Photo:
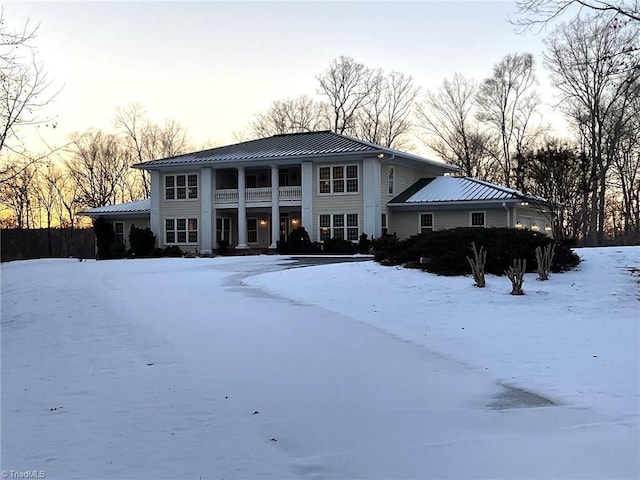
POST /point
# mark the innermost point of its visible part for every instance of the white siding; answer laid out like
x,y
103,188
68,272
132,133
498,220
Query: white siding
x,y
336,203
405,224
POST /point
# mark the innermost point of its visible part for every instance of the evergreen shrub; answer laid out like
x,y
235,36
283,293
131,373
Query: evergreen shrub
x,y
105,236
299,242
448,250
142,242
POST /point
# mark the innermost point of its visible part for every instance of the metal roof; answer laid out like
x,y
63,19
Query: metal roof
x,y
139,206
288,146
458,189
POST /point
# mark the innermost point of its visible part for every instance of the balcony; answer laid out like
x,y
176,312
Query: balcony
x,y
229,196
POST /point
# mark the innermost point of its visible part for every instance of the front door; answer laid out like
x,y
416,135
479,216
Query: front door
x,y
284,228
223,230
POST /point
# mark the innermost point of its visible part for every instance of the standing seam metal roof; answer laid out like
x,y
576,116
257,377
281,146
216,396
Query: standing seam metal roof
x,y
456,189
322,143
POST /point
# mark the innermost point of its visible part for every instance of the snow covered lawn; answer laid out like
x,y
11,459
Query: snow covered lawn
x,y
235,368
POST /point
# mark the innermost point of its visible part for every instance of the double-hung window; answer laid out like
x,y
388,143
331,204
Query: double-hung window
x,y
477,219
181,187
118,230
338,179
181,230
426,222
343,226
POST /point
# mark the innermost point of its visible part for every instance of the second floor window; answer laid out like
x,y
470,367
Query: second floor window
x,y
338,179
181,187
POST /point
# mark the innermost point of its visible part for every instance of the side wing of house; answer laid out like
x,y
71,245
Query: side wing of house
x,y
451,202
123,216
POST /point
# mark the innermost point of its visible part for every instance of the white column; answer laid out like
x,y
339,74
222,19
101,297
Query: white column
x,y
205,216
242,211
307,200
157,190
214,223
372,203
275,206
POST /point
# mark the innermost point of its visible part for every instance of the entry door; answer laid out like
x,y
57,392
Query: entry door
x,y
223,229
284,228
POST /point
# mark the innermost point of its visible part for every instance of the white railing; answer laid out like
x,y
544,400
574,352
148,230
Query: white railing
x,y
258,195
290,193
227,195
262,194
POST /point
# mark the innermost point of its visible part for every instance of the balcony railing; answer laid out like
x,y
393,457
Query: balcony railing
x,y
258,195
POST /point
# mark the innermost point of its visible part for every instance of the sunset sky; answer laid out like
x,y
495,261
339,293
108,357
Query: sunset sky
x,y
212,65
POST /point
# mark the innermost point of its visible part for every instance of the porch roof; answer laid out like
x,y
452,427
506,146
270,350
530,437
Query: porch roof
x,y
139,207
294,146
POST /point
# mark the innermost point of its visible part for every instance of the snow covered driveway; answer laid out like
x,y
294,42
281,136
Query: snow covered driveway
x,y
187,368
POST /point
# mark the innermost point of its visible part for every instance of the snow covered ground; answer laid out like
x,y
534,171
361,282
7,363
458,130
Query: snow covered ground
x,y
235,368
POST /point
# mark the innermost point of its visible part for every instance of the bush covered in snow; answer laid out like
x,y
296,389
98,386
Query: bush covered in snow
x,y
448,250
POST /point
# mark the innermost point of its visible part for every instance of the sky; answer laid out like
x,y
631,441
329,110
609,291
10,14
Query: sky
x,y
212,65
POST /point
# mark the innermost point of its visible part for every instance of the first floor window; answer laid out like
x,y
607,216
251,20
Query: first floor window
x,y
477,219
181,230
426,222
118,229
343,226
384,221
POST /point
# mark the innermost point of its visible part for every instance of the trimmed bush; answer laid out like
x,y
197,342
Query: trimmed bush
x,y
340,245
299,242
142,241
364,244
105,237
448,250
172,251
117,250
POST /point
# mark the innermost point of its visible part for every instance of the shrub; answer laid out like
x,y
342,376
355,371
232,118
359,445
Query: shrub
x,y
299,242
105,236
448,249
364,244
223,246
339,245
142,241
172,251
117,250
386,247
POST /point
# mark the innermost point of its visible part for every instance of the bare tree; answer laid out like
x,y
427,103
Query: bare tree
x,y
558,174
347,85
17,193
24,87
147,140
291,115
507,102
626,172
99,167
538,13
595,67
385,119
447,116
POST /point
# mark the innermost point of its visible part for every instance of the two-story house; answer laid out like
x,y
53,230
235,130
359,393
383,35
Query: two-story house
x,y
252,194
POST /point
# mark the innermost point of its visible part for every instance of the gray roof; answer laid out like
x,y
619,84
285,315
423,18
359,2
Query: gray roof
x,y
128,208
288,146
459,189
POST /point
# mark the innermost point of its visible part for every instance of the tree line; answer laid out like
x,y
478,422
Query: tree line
x,y
491,128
